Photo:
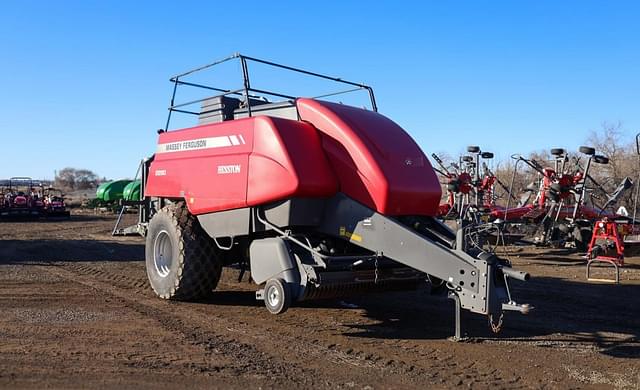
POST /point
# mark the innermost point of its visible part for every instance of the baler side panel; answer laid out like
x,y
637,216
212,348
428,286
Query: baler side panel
x,y
393,175
347,153
303,144
240,163
352,180
287,160
205,165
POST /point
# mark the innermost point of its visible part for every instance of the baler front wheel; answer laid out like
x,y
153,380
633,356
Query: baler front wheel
x,y
277,296
181,259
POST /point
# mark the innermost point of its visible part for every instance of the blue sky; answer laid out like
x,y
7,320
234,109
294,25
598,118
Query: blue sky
x,y
85,84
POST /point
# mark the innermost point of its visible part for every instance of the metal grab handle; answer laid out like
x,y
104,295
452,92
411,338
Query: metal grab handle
x,y
612,262
514,274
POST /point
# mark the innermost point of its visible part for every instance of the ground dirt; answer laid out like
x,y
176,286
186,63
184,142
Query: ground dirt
x,y
77,312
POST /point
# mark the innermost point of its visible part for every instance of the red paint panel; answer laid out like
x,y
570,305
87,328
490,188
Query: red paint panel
x,y
193,174
512,214
376,161
239,163
287,161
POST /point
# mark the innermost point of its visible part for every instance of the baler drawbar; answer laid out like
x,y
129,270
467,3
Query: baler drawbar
x,y
316,199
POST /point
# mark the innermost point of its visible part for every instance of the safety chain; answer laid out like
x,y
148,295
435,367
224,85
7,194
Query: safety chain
x,y
495,328
376,271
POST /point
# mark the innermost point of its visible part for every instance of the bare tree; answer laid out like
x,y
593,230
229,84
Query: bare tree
x,y
65,179
85,179
608,142
71,179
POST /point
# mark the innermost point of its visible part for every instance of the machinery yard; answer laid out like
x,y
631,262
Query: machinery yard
x,y
398,274
346,195
78,312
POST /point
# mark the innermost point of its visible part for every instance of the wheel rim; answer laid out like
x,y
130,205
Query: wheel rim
x,y
163,253
273,296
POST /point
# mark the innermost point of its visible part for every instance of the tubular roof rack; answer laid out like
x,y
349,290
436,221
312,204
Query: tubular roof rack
x,y
247,92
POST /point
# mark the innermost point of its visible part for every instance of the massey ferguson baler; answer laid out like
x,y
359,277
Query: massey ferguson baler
x,y
316,199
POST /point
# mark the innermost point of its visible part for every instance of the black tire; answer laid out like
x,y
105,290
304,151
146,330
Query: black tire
x,y
553,195
181,259
582,238
601,159
556,187
557,151
473,149
277,296
587,150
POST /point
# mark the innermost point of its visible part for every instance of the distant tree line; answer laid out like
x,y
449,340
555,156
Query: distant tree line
x,y
73,179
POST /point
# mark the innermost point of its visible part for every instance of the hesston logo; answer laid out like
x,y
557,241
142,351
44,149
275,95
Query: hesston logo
x,y
227,169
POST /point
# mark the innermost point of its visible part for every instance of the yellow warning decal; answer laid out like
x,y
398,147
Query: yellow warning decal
x,y
355,237
350,235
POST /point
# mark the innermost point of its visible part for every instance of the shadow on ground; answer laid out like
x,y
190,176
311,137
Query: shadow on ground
x,y
44,251
566,312
574,314
58,219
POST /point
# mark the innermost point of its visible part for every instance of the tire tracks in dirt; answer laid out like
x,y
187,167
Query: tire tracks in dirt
x,y
361,363
201,333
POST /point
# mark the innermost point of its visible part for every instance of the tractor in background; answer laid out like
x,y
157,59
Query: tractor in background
x,y
54,205
20,199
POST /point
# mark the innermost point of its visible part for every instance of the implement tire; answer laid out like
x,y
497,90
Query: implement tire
x,y
582,238
588,150
181,259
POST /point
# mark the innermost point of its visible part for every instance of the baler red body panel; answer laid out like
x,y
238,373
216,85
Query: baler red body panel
x,y
240,163
376,161
257,160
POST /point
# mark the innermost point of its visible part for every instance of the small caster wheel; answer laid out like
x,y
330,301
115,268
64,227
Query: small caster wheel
x,y
277,296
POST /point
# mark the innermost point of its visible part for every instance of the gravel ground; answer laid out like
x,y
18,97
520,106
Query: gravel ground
x,y
77,312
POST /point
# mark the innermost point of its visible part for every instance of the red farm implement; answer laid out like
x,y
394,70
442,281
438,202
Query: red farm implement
x,y
316,199
560,211
615,236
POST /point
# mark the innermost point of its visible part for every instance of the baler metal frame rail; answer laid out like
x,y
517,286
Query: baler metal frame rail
x,y
247,89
